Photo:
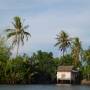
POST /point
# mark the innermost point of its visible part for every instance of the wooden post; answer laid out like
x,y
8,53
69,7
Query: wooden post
x,y
70,81
57,80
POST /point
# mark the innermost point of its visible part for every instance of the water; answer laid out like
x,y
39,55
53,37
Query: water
x,y
43,87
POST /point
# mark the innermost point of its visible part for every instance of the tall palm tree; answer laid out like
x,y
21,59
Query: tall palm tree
x,y
63,41
76,51
17,33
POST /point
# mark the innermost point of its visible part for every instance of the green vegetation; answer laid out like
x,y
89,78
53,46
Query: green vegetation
x,y
41,67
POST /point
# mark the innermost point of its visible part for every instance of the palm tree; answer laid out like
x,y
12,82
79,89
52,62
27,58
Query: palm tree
x,y
17,33
87,56
63,41
76,51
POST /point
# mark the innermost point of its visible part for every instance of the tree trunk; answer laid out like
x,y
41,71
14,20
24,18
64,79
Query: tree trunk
x,y
17,49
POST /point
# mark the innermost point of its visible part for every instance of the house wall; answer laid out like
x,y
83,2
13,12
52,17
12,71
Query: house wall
x,y
64,75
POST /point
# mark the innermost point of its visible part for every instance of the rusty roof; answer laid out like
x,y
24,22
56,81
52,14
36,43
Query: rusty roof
x,y
65,68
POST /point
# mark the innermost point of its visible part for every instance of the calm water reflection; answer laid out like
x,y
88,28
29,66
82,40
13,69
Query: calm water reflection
x,y
43,87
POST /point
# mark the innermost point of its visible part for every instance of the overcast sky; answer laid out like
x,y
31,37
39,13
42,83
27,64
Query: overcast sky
x,y
46,19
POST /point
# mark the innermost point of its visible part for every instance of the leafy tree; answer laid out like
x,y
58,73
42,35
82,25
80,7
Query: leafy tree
x,y
18,70
17,33
45,67
67,60
86,72
87,56
86,64
4,57
4,50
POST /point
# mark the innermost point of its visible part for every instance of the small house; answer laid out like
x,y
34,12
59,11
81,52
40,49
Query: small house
x,y
67,75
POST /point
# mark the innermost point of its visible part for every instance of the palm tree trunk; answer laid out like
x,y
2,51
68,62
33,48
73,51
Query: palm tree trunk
x,y
17,44
63,53
17,37
17,49
63,57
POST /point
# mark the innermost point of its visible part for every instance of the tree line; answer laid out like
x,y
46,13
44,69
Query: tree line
x,y
41,67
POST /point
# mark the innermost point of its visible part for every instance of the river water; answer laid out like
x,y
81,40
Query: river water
x,y
44,87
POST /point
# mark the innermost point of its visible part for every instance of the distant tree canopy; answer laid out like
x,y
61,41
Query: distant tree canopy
x,y
66,60
45,66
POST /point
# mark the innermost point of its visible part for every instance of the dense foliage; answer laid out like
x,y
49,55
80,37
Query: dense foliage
x,y
41,67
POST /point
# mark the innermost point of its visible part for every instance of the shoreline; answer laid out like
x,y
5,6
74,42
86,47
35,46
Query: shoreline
x,y
85,82
82,84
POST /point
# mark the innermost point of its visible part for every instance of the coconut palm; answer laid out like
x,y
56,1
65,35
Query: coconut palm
x,y
17,33
76,51
87,56
63,41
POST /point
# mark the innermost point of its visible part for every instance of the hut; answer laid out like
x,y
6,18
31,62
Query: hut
x,y
67,75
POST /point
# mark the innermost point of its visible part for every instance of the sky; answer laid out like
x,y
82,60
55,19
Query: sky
x,y
47,18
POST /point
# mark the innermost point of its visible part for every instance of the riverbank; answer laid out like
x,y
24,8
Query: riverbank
x,y
85,82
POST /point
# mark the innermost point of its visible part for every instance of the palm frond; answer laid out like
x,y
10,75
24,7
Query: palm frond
x,y
27,34
11,34
14,24
17,22
25,27
14,42
58,43
8,30
22,39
